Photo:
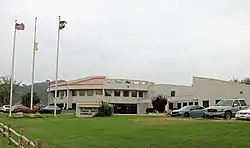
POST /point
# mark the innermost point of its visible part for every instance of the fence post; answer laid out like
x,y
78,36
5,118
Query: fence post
x,y
38,143
9,133
3,130
20,142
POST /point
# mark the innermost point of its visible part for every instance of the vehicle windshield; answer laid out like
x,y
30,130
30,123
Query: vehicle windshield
x,y
225,103
51,107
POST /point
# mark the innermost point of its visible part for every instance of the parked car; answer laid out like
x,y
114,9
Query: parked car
x,y
243,114
18,108
194,111
50,109
226,108
39,106
6,108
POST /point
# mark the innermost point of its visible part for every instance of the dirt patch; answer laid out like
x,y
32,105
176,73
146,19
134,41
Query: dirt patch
x,y
169,121
164,121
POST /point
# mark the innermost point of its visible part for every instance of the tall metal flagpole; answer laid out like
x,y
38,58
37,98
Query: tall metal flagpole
x,y
13,68
57,59
33,68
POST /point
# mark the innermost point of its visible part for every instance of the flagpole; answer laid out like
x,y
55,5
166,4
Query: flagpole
x,y
13,68
33,68
57,61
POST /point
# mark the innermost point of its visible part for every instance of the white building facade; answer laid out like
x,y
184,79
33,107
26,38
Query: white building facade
x,y
134,96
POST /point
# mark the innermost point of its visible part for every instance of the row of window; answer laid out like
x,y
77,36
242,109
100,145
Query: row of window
x,y
128,82
117,93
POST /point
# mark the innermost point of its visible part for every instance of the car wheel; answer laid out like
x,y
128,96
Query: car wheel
x,y
186,114
228,115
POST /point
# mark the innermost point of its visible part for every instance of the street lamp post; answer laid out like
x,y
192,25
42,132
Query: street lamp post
x,y
48,81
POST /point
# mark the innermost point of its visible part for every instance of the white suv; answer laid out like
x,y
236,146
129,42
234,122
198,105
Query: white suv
x,y
226,108
6,108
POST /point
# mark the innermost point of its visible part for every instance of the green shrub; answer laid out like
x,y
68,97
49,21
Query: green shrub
x,y
105,110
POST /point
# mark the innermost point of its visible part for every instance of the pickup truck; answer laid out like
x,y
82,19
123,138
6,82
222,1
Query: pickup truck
x,y
226,108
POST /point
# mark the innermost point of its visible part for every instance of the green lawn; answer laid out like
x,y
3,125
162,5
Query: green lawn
x,y
132,132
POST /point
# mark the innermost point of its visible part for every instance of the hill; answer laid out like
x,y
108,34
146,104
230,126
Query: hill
x,y
40,88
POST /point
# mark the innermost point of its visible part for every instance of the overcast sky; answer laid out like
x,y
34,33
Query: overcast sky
x,y
166,41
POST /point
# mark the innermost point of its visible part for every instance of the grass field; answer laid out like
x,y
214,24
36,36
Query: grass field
x,y
132,132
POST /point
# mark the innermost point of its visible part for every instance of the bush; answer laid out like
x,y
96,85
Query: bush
x,y
105,110
25,110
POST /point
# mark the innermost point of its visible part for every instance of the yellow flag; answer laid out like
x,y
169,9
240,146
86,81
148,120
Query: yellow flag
x,y
36,46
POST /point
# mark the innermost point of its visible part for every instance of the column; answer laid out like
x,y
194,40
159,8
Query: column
x,y
167,107
67,107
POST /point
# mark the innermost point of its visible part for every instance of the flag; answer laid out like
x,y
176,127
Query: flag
x,y
62,24
36,46
19,26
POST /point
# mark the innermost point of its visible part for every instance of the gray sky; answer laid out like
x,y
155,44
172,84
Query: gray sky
x,y
159,40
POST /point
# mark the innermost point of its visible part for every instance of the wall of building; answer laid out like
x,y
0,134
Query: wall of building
x,y
181,92
213,89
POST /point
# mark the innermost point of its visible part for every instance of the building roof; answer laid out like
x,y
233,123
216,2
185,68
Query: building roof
x,y
94,80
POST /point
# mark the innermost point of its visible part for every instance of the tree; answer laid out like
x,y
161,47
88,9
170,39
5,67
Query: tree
x,y
234,80
5,89
105,110
244,81
159,102
26,99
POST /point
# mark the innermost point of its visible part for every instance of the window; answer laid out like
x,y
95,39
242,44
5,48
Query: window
x,y
61,93
81,92
117,93
125,93
98,92
243,103
236,103
178,105
118,81
216,101
199,108
52,93
143,83
171,106
90,92
57,94
205,104
108,92
190,103
225,103
127,81
136,82
134,93
196,108
74,93
196,103
184,104
172,94
73,106
141,94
